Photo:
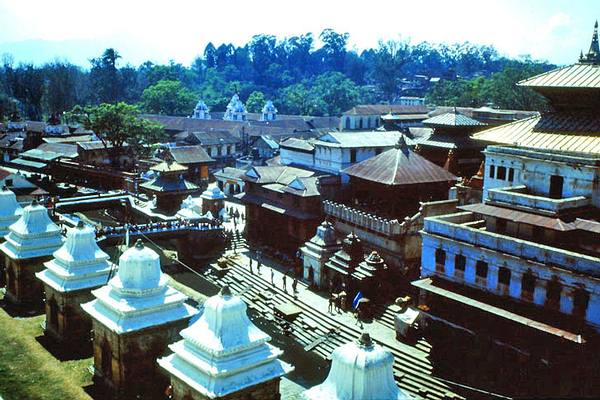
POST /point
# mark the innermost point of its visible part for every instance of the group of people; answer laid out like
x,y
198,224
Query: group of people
x,y
284,275
157,226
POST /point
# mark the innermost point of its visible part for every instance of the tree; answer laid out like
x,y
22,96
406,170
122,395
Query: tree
x,y
106,82
390,57
117,125
336,92
334,48
255,102
168,97
61,86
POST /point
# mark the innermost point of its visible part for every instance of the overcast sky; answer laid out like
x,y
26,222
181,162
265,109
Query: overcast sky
x,y
552,30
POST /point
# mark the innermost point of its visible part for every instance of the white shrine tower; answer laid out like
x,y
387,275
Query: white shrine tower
x,y
30,242
77,267
224,355
269,112
236,110
135,316
360,370
201,111
10,210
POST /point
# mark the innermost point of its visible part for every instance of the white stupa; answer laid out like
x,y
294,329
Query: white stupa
x,y
33,235
360,370
201,111
79,264
10,210
269,112
223,352
236,110
138,296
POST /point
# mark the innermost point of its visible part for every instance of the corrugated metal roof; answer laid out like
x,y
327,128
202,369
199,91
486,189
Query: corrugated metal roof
x,y
452,119
190,155
572,76
553,131
298,144
399,166
380,109
361,139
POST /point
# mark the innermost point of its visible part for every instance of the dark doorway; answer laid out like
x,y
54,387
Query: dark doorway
x,y
556,186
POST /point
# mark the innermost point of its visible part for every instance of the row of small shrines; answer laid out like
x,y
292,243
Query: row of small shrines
x,y
133,317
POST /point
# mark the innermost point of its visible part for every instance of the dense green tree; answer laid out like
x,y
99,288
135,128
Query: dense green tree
x,y
255,102
61,86
168,97
105,79
336,92
118,124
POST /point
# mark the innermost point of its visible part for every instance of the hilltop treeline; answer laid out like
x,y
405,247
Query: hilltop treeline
x,y
298,76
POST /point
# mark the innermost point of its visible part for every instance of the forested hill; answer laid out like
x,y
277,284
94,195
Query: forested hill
x,y
298,76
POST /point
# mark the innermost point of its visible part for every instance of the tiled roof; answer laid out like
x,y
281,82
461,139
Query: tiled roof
x,y
380,109
399,166
572,76
190,155
552,131
452,119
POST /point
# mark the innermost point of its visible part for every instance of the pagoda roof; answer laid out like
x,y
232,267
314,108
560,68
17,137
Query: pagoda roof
x,y
567,132
399,166
580,75
169,167
452,119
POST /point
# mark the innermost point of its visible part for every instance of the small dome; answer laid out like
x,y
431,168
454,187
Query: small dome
x,y
139,269
269,107
80,245
213,194
201,106
8,203
359,370
34,220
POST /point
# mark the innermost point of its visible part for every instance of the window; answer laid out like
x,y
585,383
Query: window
x,y
501,173
481,269
581,298
528,283
556,186
504,276
460,262
553,290
353,155
511,174
440,260
360,123
492,171
347,123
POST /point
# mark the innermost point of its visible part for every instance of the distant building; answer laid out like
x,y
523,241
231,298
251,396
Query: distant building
x,y
236,110
521,269
411,101
194,158
169,187
368,116
269,112
201,111
220,145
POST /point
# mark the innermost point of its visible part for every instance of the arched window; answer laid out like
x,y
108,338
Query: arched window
x,y
528,285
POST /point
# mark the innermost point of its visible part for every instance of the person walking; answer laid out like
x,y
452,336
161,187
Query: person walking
x,y
295,285
284,283
272,277
331,304
250,260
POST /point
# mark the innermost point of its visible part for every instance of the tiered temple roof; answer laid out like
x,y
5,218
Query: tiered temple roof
x,y
10,210
138,296
359,370
223,351
33,235
78,264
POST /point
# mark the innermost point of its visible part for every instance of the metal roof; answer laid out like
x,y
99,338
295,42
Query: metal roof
x,y
380,109
297,144
452,119
28,163
361,139
572,76
190,155
557,132
399,166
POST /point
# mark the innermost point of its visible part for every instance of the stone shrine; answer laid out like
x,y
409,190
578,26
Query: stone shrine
x,y
30,242
360,370
224,355
134,317
77,267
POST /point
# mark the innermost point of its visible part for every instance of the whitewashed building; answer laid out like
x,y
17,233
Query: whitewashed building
x,y
360,370
223,355
236,110
317,251
201,111
10,210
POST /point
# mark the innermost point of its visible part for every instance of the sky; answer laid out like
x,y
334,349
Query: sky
x,y
178,30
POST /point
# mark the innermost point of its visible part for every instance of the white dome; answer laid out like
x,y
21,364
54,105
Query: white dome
x,y
359,371
34,220
139,269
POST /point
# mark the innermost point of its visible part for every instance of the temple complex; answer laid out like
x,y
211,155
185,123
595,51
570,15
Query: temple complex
x,y
77,267
169,186
223,355
30,242
360,370
135,316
